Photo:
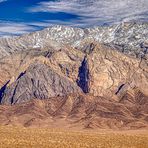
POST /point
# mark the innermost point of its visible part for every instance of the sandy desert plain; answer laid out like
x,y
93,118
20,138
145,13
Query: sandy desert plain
x,y
20,137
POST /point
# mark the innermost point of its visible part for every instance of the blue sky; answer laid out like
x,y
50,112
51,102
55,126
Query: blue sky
x,y
22,16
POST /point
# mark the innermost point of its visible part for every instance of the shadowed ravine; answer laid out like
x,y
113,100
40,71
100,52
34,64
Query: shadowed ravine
x,y
83,76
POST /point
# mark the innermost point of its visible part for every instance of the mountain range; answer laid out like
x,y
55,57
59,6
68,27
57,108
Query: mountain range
x,y
76,78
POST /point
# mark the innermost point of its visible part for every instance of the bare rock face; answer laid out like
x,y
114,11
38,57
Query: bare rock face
x,y
12,65
101,72
38,81
110,70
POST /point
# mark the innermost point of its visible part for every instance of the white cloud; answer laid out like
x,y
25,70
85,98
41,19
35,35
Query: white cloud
x,y
89,12
93,12
12,28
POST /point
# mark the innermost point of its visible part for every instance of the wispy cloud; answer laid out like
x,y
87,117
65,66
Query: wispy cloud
x,y
13,28
87,12
93,12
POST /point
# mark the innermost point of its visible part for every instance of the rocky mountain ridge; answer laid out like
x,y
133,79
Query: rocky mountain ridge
x,y
130,38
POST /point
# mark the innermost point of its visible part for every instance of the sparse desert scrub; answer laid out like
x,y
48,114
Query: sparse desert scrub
x,y
12,137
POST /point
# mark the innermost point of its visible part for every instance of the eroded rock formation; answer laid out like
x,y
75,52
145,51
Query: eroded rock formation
x,y
102,72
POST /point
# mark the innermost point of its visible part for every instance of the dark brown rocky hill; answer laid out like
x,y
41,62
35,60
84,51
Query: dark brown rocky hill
x,y
80,111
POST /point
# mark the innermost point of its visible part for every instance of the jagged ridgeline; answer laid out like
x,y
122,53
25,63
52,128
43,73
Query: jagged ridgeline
x,y
130,38
75,69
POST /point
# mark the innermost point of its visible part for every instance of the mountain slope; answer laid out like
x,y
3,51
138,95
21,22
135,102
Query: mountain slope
x,y
102,72
79,111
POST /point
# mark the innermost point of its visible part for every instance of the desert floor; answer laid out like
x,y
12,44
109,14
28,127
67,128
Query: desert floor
x,y
17,137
